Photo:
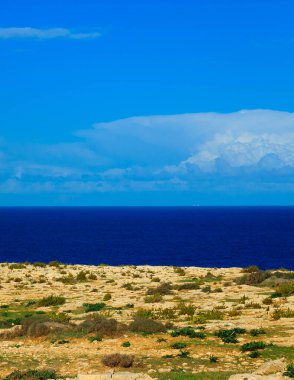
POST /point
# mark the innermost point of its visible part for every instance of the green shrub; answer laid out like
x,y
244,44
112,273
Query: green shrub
x,y
51,301
208,315
213,359
230,335
179,345
290,371
168,313
126,344
254,354
153,298
184,355
188,331
255,332
284,290
252,346
279,313
95,338
59,317
107,297
145,313
267,301
81,276
188,286
184,309
91,307
32,374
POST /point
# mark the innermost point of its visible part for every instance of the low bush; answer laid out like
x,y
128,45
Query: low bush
x,y
184,309
279,313
290,371
252,346
102,326
164,289
267,301
67,280
107,297
284,290
55,264
32,374
95,338
17,266
254,354
208,315
184,355
213,359
126,344
230,336
180,271
255,332
118,360
91,307
51,301
168,313
81,276
188,331
188,286
254,278
179,345
92,276
146,326
250,269
153,298
39,264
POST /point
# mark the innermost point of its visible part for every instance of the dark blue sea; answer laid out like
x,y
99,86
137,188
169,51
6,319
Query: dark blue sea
x,y
184,236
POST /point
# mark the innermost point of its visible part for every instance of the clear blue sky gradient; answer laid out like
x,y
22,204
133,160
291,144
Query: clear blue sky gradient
x,y
163,57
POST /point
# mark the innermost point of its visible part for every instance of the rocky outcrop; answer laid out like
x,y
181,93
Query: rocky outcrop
x,y
272,370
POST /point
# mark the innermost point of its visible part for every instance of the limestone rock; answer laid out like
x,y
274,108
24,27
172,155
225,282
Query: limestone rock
x,y
271,367
98,376
115,376
250,376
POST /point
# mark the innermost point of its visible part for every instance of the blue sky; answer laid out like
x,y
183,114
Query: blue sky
x,y
145,102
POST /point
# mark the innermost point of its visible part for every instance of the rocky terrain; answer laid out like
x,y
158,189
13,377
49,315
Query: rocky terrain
x,y
61,321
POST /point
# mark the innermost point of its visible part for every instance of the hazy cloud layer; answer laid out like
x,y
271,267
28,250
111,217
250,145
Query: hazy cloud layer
x,y
248,150
45,34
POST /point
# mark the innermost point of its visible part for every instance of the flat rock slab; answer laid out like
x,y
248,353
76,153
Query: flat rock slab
x,y
250,376
115,376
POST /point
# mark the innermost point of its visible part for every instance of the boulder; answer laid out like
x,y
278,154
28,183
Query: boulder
x,y
271,367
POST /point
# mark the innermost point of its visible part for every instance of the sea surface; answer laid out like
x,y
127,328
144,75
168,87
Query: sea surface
x,y
184,236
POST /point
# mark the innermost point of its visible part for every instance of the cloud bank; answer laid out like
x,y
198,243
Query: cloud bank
x,y
44,34
246,151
